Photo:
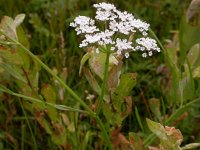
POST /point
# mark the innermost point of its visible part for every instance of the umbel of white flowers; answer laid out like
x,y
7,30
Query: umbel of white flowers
x,y
117,23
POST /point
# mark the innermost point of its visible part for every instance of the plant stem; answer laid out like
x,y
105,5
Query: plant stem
x,y
103,86
107,138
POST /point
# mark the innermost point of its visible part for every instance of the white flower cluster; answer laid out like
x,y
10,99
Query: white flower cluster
x,y
117,23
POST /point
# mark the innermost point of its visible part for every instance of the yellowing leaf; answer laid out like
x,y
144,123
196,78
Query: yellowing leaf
x,y
157,129
194,55
19,19
196,72
8,25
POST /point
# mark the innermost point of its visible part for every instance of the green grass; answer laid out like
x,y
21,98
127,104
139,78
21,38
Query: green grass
x,y
42,114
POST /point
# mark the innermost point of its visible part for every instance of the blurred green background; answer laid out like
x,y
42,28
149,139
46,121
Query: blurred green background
x,y
51,38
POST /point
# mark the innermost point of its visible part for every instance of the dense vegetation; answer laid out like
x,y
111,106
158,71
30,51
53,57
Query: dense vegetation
x,y
38,112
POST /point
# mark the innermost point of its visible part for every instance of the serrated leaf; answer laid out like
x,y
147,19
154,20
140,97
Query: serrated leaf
x,y
127,82
113,117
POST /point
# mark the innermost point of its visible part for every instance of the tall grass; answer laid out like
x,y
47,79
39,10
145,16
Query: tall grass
x,y
42,114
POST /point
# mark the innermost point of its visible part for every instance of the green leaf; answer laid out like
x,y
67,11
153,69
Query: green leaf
x,y
139,119
49,94
83,61
22,38
127,82
154,105
186,88
157,129
193,56
11,56
189,35
196,72
113,117
14,71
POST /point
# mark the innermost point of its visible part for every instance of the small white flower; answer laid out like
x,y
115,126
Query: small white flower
x,y
104,11
123,44
118,22
144,55
83,24
142,48
104,6
148,43
158,49
127,55
150,53
137,47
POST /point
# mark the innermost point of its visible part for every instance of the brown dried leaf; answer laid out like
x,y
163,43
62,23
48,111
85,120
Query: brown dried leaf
x,y
119,140
174,134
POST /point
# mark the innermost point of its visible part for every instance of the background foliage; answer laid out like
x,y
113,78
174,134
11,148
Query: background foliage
x,y
166,84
